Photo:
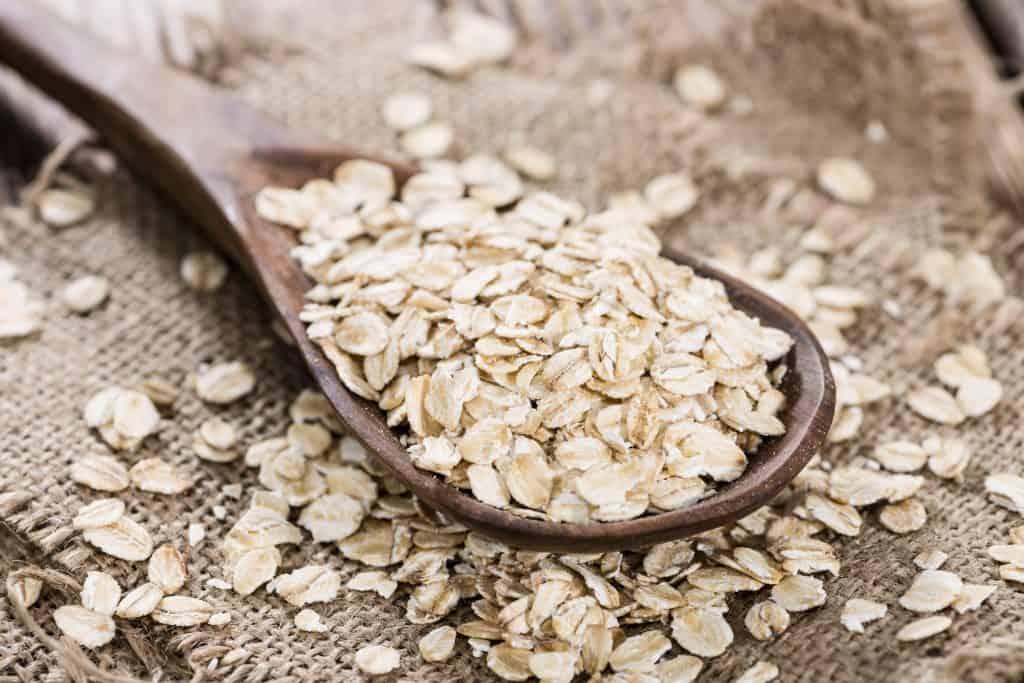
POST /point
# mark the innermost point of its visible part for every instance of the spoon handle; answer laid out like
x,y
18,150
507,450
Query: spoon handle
x,y
180,133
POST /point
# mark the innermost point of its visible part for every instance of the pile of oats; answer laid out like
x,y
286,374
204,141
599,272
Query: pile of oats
x,y
547,360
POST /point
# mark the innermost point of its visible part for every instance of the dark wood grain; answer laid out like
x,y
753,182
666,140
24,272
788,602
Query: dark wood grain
x,y
211,154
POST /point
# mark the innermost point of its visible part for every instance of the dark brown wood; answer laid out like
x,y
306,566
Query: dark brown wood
x,y
1003,22
211,154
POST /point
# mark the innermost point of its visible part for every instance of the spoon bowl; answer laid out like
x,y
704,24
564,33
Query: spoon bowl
x,y
211,155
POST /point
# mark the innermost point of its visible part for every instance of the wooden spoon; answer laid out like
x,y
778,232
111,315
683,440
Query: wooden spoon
x,y
211,154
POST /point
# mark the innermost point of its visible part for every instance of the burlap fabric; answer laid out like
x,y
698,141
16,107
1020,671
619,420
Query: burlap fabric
x,y
598,98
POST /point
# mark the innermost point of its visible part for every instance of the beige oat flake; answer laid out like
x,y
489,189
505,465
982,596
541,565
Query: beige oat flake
x,y
377,660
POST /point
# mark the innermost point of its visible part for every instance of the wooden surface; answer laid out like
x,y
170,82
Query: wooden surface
x,y
211,154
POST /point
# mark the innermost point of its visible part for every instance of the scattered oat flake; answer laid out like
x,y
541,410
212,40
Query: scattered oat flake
x,y
403,111
160,391
441,57
699,86
701,631
1006,490
924,628
903,517
901,456
641,652
971,597
481,38
203,271
681,669
766,619
931,591
846,180
125,539
377,581
858,611
182,610
1009,554
428,141
978,395
799,593
532,162
140,601
308,620
930,559
225,382
167,569
553,666
100,472
100,593
377,660
98,513
24,589
672,195
62,208
87,628
936,404
196,534
219,619
86,293
438,644
761,672
159,476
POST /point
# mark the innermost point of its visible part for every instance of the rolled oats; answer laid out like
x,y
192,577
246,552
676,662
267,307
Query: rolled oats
x,y
858,611
427,141
901,456
87,628
1006,490
640,652
182,610
437,645
86,293
971,597
799,593
98,513
159,476
62,208
936,404
846,180
931,591
699,86
701,631
761,672
903,517
225,382
140,601
681,669
377,659
978,395
203,271
309,621
403,111
101,473
125,539
924,628
766,619
23,589
167,569
930,559
100,593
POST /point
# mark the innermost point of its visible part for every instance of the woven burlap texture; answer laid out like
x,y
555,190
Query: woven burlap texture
x,y
599,98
